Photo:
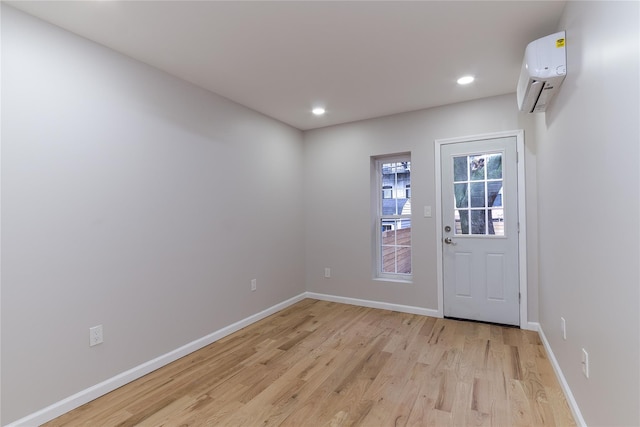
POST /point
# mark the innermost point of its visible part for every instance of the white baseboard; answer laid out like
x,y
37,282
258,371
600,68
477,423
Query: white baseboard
x,y
573,405
375,304
91,393
531,326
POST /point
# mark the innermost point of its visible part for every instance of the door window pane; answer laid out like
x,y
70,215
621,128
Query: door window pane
x,y
462,200
476,167
496,222
462,221
460,168
494,166
494,193
477,195
478,222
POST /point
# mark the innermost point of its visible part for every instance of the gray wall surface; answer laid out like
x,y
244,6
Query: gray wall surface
x,y
133,200
588,201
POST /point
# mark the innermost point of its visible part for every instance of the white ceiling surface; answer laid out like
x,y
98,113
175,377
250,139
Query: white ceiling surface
x,y
359,59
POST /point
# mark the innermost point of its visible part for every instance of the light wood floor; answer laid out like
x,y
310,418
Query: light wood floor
x,y
319,363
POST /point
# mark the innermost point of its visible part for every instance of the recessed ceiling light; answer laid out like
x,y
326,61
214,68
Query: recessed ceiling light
x,y
465,80
318,111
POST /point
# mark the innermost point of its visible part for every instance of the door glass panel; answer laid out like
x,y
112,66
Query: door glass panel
x,y
496,222
460,168
478,186
462,200
462,221
476,167
478,222
494,166
494,193
477,195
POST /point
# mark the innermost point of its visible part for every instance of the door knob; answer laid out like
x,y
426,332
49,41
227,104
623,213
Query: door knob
x,y
448,241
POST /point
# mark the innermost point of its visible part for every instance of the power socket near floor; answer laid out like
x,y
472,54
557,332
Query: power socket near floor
x,y
95,335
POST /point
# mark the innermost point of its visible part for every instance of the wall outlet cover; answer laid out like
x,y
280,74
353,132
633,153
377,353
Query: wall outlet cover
x,y
95,335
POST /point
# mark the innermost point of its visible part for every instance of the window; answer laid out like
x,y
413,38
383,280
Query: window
x,y
393,217
477,186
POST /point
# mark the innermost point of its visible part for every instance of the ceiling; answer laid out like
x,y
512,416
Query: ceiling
x,y
359,59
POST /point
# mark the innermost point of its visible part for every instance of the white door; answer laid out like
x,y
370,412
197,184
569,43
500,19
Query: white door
x,y
480,230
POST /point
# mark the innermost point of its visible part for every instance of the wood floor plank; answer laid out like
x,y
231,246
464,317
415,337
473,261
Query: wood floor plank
x,y
319,363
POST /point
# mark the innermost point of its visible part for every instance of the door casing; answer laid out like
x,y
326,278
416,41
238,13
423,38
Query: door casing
x,y
522,223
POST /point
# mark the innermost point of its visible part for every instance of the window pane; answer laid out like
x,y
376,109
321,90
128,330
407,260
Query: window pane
x,y
476,167
396,246
389,206
388,236
494,166
388,225
494,193
477,195
404,260
462,221
460,169
496,222
396,185
478,222
404,232
388,259
462,200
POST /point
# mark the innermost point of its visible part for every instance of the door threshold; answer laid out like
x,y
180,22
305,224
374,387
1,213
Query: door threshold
x,y
504,325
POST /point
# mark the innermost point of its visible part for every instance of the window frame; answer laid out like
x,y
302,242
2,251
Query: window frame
x,y
379,216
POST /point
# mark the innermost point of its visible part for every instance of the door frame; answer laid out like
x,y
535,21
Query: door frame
x,y
522,217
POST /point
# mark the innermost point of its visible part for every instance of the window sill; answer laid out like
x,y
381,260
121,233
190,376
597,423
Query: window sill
x,y
386,279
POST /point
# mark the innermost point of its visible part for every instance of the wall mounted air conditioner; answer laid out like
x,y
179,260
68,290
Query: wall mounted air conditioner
x,y
543,70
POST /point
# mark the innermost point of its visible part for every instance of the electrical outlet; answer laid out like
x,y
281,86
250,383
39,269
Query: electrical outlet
x,y
95,335
254,284
563,328
327,272
585,363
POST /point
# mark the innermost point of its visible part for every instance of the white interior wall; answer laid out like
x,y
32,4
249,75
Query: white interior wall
x,y
134,200
588,201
